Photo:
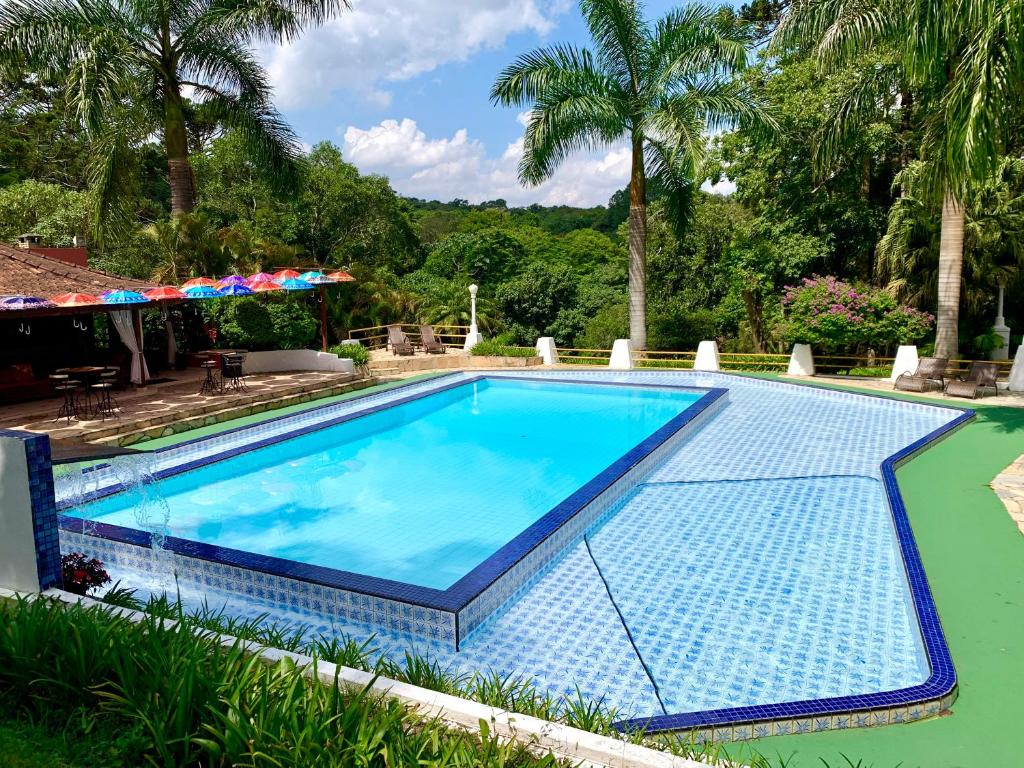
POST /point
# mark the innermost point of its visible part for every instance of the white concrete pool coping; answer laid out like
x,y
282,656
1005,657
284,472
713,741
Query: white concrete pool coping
x,y
573,744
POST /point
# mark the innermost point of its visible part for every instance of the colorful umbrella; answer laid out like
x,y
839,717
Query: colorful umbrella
x,y
202,292
124,297
76,300
294,284
261,286
199,282
340,277
261,277
163,293
236,290
24,302
232,280
285,274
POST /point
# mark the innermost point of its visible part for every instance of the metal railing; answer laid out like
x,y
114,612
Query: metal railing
x,y
376,336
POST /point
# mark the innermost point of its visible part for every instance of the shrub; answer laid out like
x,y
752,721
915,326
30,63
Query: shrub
x,y
82,573
490,348
261,322
357,353
837,316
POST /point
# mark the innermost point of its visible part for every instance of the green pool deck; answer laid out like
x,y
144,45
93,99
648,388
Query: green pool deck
x,y
974,558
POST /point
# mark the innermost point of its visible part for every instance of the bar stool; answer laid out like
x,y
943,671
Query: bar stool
x,y
106,405
210,384
69,407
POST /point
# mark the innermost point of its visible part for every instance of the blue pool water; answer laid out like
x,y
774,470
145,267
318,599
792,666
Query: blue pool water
x,y
419,493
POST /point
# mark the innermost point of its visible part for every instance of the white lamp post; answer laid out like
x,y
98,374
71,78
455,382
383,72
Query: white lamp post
x,y
473,337
1002,330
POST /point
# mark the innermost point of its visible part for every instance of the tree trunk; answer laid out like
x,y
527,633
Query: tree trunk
x,y
638,249
752,302
182,180
951,260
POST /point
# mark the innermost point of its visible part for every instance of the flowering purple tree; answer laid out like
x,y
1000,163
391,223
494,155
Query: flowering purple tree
x,y
836,316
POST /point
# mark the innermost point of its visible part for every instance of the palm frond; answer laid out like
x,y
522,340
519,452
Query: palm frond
x,y
620,34
532,73
250,21
695,41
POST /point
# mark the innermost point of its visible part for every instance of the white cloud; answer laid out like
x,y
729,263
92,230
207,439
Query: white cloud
x,y
376,42
724,187
459,167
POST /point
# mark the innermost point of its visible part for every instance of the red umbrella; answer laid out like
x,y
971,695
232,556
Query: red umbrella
x,y
76,300
340,277
163,293
285,274
265,285
199,281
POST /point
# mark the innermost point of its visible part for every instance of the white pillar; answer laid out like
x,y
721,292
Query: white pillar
x,y
707,357
1002,330
18,567
473,337
622,355
905,362
547,351
801,361
1016,382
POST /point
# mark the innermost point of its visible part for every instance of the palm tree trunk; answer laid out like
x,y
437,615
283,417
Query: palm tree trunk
x,y
951,260
638,249
179,169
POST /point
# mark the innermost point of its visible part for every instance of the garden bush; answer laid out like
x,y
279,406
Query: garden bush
x,y
261,323
491,348
357,353
836,316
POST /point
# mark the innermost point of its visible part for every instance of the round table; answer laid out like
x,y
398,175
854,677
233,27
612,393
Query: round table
x,y
87,374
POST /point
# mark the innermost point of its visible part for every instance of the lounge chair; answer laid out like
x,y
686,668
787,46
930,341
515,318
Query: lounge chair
x,y
400,344
930,374
982,377
429,341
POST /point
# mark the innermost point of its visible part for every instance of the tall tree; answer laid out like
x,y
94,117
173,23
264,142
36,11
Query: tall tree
x,y
962,64
145,53
660,87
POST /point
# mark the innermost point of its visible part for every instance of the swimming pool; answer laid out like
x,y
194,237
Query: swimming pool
x,y
756,576
419,493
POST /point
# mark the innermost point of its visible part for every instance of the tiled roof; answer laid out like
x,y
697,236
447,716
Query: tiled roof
x,y
23,273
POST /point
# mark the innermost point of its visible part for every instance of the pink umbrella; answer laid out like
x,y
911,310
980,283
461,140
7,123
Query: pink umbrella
x,y
265,285
76,300
285,274
260,277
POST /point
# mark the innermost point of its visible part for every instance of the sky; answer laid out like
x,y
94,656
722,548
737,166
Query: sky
x,y
402,87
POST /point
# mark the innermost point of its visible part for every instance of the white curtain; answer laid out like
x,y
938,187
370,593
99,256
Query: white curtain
x,y
172,345
122,320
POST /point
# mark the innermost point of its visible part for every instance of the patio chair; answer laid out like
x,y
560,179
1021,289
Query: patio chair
x,y
981,378
400,344
930,374
429,341
231,373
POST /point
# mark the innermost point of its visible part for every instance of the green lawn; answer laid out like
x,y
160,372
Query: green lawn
x,y
24,744
974,557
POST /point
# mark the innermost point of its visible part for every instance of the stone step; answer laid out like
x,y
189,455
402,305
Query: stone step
x,y
128,432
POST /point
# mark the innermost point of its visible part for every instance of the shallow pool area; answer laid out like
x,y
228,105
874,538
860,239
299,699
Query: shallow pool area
x,y
758,576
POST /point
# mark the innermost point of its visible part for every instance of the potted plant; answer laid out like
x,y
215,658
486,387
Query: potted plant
x,y
82,573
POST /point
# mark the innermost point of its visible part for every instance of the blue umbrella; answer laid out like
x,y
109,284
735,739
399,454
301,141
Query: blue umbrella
x,y
295,284
124,297
202,292
24,302
316,278
235,290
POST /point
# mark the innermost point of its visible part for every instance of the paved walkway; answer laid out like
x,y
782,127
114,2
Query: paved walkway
x,y
1009,487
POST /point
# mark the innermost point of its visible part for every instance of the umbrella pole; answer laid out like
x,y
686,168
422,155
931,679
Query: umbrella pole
x,y
323,317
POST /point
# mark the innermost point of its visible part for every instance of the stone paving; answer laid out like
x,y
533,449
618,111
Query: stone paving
x,y
1009,487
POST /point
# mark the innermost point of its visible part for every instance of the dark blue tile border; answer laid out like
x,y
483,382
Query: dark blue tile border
x,y
456,597
942,678
44,510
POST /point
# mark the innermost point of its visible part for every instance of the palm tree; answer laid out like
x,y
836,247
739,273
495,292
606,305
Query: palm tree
x,y
659,87
145,53
961,64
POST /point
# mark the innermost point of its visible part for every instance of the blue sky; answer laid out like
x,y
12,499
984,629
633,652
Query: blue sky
x,y
402,86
